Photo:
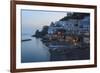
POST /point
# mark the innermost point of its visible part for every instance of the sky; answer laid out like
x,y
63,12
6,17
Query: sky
x,y
32,20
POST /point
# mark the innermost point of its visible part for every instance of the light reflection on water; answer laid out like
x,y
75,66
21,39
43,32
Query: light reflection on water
x,y
33,50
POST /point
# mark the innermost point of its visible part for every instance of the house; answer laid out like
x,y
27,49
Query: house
x,y
76,25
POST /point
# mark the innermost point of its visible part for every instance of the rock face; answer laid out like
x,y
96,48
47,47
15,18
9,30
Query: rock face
x,y
61,51
61,54
42,33
76,54
37,34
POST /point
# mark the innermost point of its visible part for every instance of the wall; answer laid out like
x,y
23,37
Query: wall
x,y
5,36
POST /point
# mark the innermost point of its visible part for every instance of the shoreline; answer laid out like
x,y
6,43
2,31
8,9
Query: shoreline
x,y
68,52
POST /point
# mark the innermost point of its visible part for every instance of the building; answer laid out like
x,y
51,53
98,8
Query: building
x,y
72,25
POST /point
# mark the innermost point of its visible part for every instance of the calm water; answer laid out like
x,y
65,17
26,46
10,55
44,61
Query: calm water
x,y
33,50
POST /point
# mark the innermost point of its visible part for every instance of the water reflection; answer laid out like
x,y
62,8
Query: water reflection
x,y
34,50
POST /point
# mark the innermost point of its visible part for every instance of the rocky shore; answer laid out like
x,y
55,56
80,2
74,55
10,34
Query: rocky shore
x,y
62,54
65,51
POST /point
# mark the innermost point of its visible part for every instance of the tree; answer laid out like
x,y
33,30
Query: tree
x,y
37,33
44,30
52,24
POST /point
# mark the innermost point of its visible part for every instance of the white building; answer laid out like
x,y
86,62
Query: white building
x,y
75,26
85,25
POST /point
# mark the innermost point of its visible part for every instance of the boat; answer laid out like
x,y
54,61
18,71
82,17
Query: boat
x,y
26,40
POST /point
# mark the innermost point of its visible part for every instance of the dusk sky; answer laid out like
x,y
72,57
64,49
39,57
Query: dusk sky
x,y
33,20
